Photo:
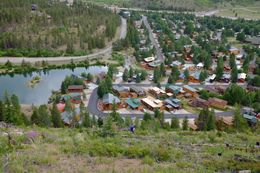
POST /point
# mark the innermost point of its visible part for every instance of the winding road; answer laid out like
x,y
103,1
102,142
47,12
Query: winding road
x,y
93,109
67,59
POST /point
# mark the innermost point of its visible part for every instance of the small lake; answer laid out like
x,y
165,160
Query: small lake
x,y
50,80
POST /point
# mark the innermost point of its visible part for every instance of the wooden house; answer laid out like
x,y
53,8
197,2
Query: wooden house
x,y
138,90
75,88
108,101
172,104
121,91
217,103
156,92
198,102
190,90
152,103
134,103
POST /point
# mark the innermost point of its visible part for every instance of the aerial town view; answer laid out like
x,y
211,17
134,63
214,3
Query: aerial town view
x,y
135,86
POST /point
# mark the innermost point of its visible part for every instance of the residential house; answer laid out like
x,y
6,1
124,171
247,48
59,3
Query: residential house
x,y
226,78
187,48
176,90
198,102
69,116
75,88
212,78
234,50
241,77
152,103
176,63
217,103
121,91
172,104
251,118
134,103
108,101
157,92
138,90
195,77
200,65
72,97
190,90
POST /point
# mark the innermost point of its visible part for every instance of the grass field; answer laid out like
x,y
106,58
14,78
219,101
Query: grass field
x,y
75,150
250,12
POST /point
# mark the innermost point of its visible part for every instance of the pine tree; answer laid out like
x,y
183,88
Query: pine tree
x,y
44,116
125,75
128,121
219,69
100,122
35,116
185,124
131,72
87,120
94,121
137,122
234,74
162,69
211,122
170,80
232,61
138,78
239,122
187,75
175,124
56,117
147,117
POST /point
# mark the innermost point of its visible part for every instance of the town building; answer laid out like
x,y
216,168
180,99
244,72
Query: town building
x,y
176,90
121,91
217,103
157,92
152,103
172,104
108,101
134,103
139,91
75,88
190,90
198,102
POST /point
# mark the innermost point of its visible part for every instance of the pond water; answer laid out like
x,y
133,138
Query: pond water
x,y
50,80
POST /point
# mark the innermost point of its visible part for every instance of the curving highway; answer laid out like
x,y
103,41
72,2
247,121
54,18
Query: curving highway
x,y
67,59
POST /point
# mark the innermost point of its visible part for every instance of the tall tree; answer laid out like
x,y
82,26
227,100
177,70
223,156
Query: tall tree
x,y
56,117
1,111
185,124
175,124
44,116
234,74
239,122
219,69
35,116
187,75
125,75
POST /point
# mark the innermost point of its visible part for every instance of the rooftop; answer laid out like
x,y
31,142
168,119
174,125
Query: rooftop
x,y
110,99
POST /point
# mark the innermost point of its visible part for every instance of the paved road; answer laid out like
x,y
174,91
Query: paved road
x,y
93,101
106,51
159,54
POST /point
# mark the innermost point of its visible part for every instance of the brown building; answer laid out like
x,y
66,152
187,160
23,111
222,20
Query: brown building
x,y
198,102
157,92
217,103
138,90
121,91
152,103
75,88
190,90
108,101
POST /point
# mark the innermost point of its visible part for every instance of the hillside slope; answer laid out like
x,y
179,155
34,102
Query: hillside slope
x,y
80,150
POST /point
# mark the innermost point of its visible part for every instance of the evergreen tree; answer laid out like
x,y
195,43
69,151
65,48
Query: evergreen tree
x,y
175,124
202,76
147,117
175,73
87,120
90,77
232,61
125,75
44,116
187,75
137,122
100,122
162,69
94,121
35,116
56,117
131,72
211,122
138,78
234,74
219,69
239,122
143,75
185,124
128,121
170,80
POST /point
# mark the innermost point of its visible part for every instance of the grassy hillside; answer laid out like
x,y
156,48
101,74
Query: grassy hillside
x,y
81,150
196,5
49,28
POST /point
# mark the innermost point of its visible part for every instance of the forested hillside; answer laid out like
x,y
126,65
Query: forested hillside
x,y
53,28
